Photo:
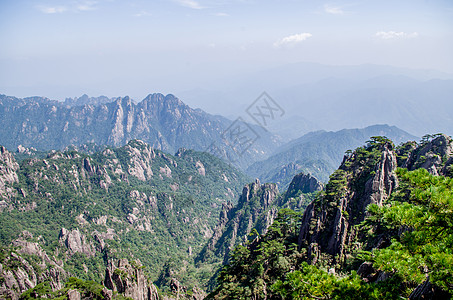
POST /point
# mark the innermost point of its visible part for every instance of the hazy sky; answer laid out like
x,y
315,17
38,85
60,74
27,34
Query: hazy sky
x,y
65,48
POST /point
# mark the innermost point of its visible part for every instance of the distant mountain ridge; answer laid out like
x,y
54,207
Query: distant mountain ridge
x,y
85,99
336,97
165,122
319,153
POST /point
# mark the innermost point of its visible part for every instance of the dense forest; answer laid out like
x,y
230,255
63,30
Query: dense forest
x,y
136,222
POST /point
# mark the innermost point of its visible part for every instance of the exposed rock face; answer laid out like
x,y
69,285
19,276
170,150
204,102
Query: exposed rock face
x,y
76,242
384,181
201,168
141,158
328,224
181,292
74,295
305,183
164,122
434,156
235,223
301,190
129,280
8,176
20,275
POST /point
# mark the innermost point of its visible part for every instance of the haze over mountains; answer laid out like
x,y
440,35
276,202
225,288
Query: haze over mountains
x,y
319,153
165,122
338,97
117,203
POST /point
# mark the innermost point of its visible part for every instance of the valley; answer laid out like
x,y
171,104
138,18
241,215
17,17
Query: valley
x,y
98,219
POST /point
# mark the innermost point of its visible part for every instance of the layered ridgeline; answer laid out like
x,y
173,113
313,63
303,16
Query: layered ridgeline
x,y
164,122
382,229
255,212
319,153
73,214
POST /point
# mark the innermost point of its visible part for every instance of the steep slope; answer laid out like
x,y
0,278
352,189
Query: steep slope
x,y
164,122
255,212
318,153
390,224
77,212
365,177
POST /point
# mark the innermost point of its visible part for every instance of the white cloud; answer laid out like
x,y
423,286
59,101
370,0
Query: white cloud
x,y
221,14
389,35
191,4
52,9
334,10
143,13
292,39
86,6
75,7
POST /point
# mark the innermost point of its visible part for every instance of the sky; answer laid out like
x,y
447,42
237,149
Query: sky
x,y
60,49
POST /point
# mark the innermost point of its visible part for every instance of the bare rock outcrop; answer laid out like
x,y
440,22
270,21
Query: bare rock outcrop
x,y
434,155
8,175
128,279
20,274
305,183
254,210
76,242
141,158
328,224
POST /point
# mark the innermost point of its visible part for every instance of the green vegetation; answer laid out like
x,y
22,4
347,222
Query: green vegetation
x,y
273,267
87,290
423,211
154,220
253,268
403,243
141,204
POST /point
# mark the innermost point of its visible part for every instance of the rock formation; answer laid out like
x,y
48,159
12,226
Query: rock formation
x,y
21,274
328,223
128,279
365,177
254,210
75,242
8,176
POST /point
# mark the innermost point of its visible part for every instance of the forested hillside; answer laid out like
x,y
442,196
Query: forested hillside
x,y
382,229
137,222
74,214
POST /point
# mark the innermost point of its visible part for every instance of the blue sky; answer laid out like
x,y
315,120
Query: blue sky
x,y
62,49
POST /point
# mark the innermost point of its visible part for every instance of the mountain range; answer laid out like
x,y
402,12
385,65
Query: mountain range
x,y
326,97
165,122
318,153
91,205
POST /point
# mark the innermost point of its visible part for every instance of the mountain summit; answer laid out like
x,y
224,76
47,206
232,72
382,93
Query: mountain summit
x,y
164,122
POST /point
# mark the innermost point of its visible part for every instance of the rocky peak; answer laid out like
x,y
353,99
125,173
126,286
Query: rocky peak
x,y
254,210
305,183
165,101
128,279
87,100
365,177
76,242
266,193
301,189
434,155
8,173
380,186
20,273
